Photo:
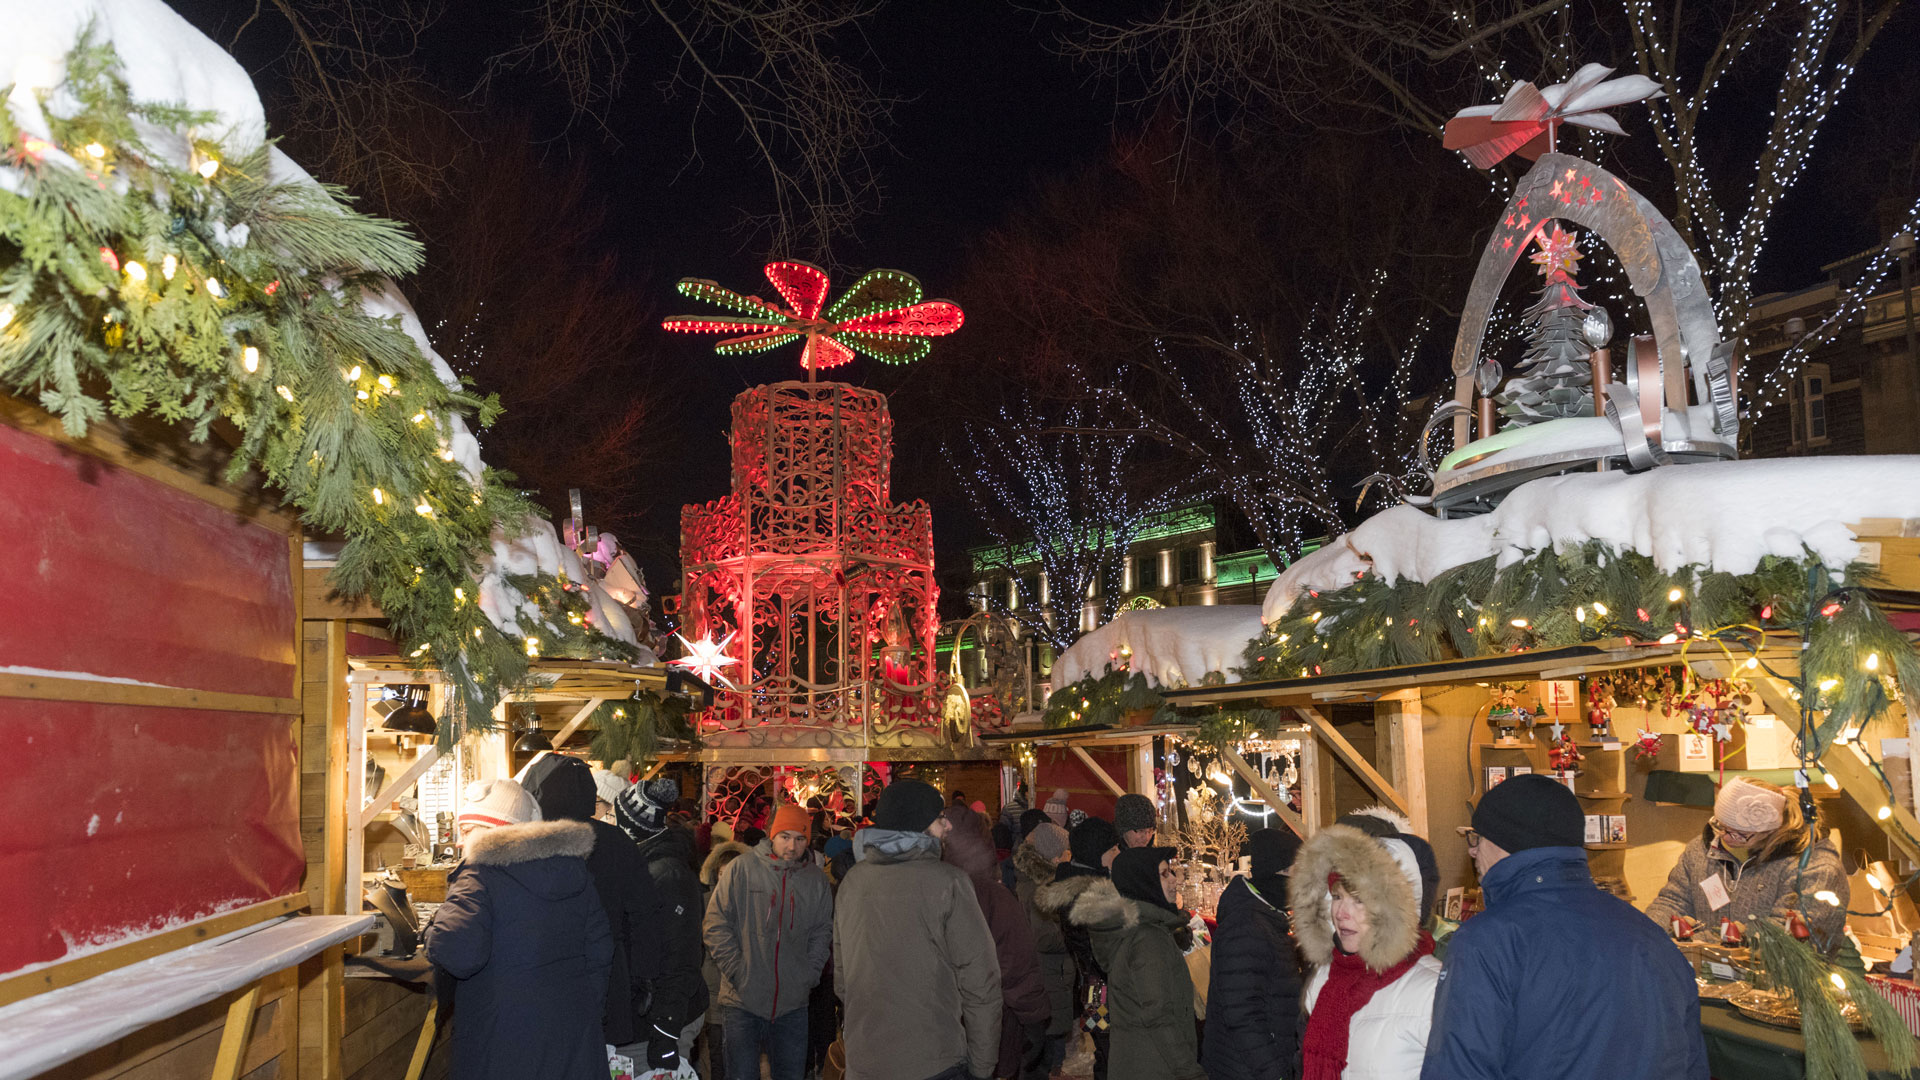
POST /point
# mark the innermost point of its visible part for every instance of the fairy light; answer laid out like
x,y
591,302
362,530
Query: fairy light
x,y
96,151
1873,661
424,509
1674,596
6,315
1828,684
215,289
1832,781
379,497
168,265
208,168
250,359
135,271
353,375
419,418
533,646
284,392
459,595
1827,896
1883,813
1600,609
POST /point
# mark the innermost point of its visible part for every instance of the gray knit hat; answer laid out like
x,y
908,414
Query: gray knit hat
x,y
1048,839
1133,812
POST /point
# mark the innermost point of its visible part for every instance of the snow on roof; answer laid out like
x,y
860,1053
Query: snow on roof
x,y
1172,647
163,58
1726,515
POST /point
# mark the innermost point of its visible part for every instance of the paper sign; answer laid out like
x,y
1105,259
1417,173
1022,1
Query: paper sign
x,y
1722,971
1716,889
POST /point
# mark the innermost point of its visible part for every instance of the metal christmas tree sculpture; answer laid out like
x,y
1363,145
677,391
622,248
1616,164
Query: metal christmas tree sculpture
x,y
1555,377
806,582
1562,409
883,316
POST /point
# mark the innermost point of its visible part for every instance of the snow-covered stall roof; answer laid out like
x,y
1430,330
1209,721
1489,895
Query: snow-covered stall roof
x,y
1172,647
163,58
1724,515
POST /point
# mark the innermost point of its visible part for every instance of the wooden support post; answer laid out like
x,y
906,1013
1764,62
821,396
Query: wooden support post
x,y
351,900
1856,774
339,756
1266,792
1100,773
236,1036
1143,772
424,1044
1311,788
1401,717
1364,769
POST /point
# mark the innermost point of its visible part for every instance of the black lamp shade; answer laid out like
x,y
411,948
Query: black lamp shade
x,y
411,718
533,741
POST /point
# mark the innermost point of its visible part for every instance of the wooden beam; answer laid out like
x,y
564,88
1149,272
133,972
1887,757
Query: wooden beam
x,y
21,987
1266,792
1364,769
93,691
1311,788
356,765
237,1034
567,729
1849,765
407,779
424,1044
1405,726
1087,760
339,753
320,601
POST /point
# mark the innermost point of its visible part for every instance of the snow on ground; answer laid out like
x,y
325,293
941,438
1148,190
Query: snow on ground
x,y
165,59
1725,515
1171,646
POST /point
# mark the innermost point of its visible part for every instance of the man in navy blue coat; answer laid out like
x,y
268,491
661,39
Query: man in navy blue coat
x,y
1557,978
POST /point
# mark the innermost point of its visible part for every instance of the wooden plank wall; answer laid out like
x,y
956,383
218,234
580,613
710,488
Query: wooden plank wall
x,y
383,1023
183,1047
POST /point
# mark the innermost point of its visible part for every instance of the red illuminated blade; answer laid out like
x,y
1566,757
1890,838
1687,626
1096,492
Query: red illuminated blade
x,y
935,318
802,285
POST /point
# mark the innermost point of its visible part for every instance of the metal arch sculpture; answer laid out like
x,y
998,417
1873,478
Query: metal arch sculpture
x,y
1660,269
1685,346
884,316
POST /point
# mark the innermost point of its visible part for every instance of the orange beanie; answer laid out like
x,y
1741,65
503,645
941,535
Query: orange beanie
x,y
790,818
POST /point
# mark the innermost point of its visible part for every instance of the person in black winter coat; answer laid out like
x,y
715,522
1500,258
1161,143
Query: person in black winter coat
x,y
1253,996
679,990
1092,845
564,788
527,941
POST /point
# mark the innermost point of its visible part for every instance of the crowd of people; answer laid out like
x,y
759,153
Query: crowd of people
x,y
589,917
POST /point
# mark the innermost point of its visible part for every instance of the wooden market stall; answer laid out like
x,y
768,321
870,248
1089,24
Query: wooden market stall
x,y
151,880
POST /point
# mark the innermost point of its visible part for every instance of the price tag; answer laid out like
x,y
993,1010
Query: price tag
x,y
1722,971
1716,889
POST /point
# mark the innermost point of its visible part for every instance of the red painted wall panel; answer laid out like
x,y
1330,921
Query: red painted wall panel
x,y
1058,767
108,572
119,821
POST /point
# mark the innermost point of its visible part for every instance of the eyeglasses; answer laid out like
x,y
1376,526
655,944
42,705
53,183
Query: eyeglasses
x,y
1723,832
1473,842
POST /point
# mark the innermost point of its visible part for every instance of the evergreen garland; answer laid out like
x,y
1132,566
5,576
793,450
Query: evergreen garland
x,y
631,729
1832,1051
206,293
1589,591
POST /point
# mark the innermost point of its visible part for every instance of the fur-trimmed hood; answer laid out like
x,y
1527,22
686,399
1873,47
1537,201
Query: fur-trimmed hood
x,y
1380,872
511,844
1056,898
1034,866
717,860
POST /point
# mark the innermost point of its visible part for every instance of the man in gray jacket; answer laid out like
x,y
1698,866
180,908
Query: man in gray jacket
x,y
914,960
769,930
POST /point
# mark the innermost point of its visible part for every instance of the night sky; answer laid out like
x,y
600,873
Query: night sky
x,y
991,111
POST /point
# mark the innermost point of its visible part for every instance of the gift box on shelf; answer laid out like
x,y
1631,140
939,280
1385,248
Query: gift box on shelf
x,y
1904,996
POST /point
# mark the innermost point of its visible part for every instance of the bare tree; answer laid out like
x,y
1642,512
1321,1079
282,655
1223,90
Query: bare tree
x,y
775,74
1412,63
1062,492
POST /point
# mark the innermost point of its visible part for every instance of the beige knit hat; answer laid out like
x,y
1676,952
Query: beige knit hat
x,y
492,803
1749,808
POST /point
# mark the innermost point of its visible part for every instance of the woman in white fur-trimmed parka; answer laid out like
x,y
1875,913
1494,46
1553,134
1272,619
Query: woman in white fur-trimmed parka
x,y
1358,915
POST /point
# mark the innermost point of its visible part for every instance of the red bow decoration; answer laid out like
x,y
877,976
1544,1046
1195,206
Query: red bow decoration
x,y
882,316
1527,119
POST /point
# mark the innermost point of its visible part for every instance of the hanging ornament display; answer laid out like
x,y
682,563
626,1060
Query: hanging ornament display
x,y
1647,747
883,316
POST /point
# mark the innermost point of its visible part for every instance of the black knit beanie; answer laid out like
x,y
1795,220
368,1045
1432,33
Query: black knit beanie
x,y
1530,811
1272,851
908,806
1029,819
1090,840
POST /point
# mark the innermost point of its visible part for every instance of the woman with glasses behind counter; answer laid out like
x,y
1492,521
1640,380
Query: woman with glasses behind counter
x,y
1747,863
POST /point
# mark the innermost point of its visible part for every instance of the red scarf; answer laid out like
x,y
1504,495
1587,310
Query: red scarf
x,y
1350,985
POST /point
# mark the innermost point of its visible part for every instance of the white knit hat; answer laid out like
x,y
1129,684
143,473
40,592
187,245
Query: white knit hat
x,y
608,785
1749,808
493,803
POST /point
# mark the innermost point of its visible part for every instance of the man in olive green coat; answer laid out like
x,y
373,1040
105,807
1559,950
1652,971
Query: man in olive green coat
x,y
912,953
